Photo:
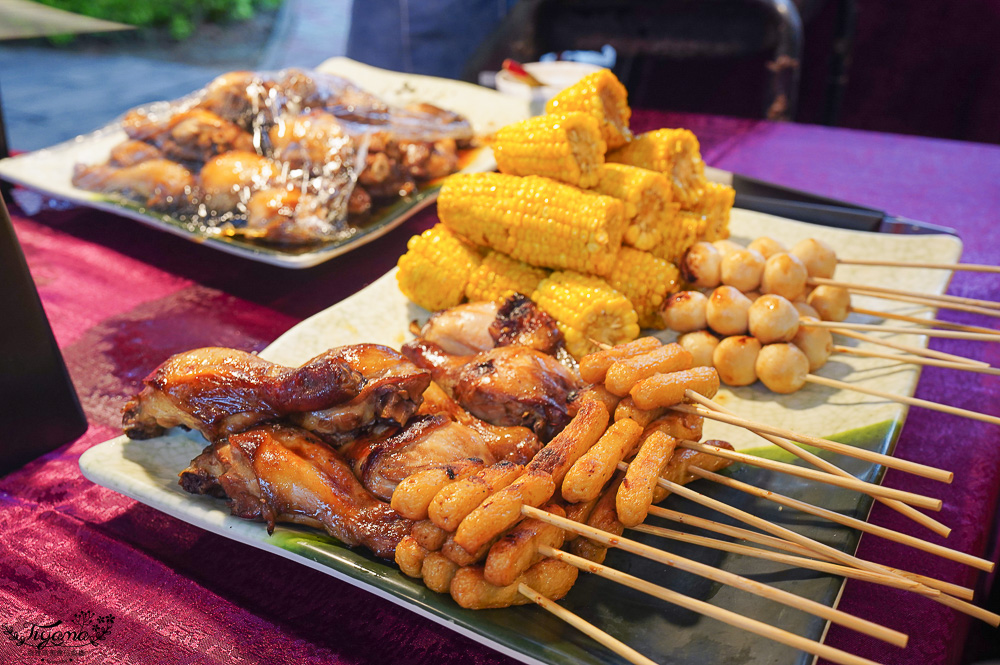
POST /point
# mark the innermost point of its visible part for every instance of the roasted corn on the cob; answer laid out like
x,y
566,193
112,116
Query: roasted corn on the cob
x,y
716,205
436,268
587,311
687,229
499,275
565,147
672,151
603,96
646,195
536,220
647,281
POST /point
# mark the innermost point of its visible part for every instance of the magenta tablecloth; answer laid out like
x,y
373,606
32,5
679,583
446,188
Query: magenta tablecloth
x,y
122,297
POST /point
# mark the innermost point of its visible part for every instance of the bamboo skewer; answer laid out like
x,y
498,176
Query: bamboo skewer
x,y
912,401
969,267
938,297
937,323
915,468
587,628
915,350
921,300
899,330
914,360
949,601
852,522
791,548
820,463
777,557
723,577
701,607
850,482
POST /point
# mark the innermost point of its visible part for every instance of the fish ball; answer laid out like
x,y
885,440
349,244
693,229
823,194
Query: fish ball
x,y
782,367
816,343
831,302
805,309
700,344
785,275
817,256
726,246
702,265
735,360
742,268
767,246
685,311
726,311
773,319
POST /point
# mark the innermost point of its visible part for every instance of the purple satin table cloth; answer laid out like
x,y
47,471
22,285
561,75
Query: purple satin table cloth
x,y
122,297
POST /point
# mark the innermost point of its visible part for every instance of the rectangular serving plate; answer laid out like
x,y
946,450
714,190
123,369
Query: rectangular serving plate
x,y
147,471
50,171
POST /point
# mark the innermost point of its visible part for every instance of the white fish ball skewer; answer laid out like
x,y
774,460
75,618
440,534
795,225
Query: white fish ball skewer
x,y
685,311
816,343
735,360
702,265
701,345
773,319
727,311
833,303
767,246
817,256
785,275
742,268
783,368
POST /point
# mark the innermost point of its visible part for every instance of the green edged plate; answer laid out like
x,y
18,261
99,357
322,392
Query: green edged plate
x,y
147,471
50,171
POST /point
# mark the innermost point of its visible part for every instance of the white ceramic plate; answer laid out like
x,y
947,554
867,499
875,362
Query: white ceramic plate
x,y
50,170
147,471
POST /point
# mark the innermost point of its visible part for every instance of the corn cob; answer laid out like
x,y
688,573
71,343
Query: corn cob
x,y
498,276
603,96
536,220
436,267
646,195
687,229
587,311
671,151
566,147
646,281
715,205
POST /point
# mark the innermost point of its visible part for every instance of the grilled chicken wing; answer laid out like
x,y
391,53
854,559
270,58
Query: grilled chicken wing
x,y
462,330
284,474
160,183
391,391
219,391
195,135
508,385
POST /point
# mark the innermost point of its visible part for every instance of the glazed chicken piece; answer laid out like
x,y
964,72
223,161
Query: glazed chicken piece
x,y
220,391
461,330
226,181
519,321
156,183
240,96
283,474
288,217
508,385
391,391
314,142
441,432
195,135
131,152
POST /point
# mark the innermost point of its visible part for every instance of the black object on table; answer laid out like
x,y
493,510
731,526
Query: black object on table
x,y
39,409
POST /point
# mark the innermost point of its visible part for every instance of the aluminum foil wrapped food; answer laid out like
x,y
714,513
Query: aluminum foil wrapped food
x,y
291,157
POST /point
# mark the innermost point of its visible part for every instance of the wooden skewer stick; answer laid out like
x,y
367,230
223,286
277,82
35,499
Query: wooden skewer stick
x,y
937,323
915,468
922,300
819,476
820,463
912,401
940,297
778,557
914,360
723,577
915,350
701,607
902,330
587,628
969,267
782,532
852,522
777,543
949,601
